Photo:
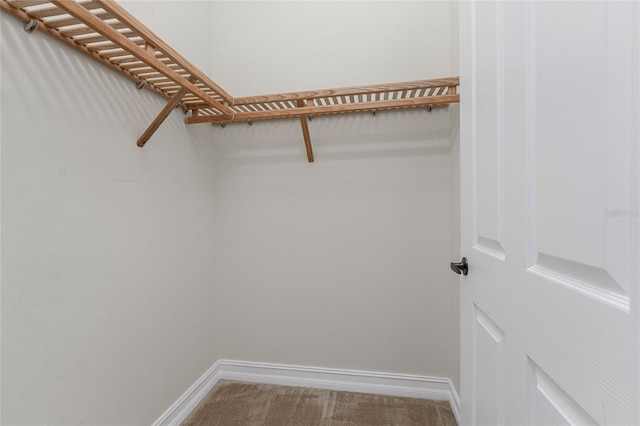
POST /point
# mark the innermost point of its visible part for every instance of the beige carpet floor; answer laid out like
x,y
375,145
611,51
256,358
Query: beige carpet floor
x,y
248,404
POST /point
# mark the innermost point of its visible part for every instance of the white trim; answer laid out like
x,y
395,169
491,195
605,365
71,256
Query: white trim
x,y
454,401
406,385
180,409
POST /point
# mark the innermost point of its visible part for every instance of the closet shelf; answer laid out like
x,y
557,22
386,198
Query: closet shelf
x,y
412,94
106,32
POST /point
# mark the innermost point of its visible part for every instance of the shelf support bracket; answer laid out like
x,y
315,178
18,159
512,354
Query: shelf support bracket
x,y
305,129
170,106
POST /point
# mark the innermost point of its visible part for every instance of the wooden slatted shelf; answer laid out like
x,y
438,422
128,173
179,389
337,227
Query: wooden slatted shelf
x,y
412,94
106,32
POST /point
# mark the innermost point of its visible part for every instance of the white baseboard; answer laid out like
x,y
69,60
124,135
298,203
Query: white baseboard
x,y
190,399
406,385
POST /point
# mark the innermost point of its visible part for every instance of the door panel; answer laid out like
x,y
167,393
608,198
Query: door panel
x,y
550,108
549,404
489,132
489,367
578,176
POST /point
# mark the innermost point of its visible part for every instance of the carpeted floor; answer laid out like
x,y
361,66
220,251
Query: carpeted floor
x,y
249,404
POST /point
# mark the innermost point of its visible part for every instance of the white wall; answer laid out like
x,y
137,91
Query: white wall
x,y
341,263
272,46
106,276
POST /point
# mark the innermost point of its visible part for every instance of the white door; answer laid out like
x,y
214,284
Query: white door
x,y
550,112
